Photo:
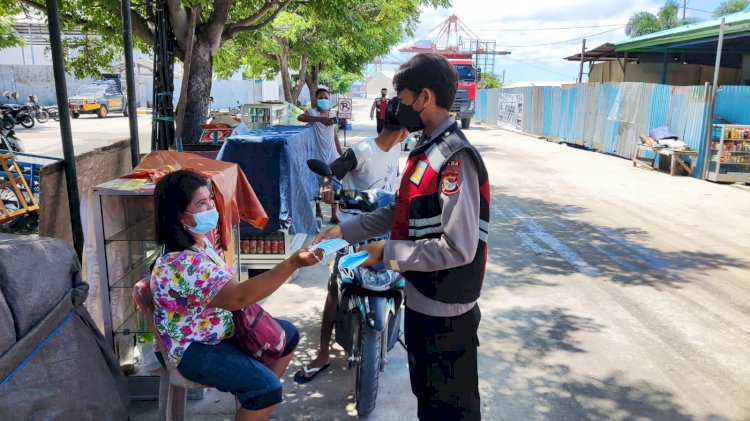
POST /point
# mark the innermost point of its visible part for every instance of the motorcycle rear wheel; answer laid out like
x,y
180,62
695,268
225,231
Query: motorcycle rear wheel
x,y
368,369
8,123
26,121
42,116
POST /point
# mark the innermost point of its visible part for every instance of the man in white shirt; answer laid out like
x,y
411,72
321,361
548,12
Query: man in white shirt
x,y
326,135
370,164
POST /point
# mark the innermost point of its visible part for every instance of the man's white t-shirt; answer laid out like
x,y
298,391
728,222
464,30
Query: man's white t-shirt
x,y
324,135
375,169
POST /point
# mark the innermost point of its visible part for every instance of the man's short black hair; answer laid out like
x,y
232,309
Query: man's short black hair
x,y
431,71
384,89
321,90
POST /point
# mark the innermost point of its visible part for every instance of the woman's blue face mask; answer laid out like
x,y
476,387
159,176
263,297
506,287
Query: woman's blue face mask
x,y
204,221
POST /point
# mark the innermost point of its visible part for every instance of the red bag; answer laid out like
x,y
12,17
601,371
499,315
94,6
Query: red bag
x,y
259,334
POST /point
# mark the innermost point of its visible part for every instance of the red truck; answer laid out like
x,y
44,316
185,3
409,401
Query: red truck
x,y
468,76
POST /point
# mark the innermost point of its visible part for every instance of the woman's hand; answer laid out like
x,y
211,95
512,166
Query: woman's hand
x,y
333,232
304,257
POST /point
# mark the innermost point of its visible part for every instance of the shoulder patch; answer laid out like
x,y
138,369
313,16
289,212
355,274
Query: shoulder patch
x,y
449,182
452,164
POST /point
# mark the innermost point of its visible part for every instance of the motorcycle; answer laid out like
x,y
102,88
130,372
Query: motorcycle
x,y
39,111
19,114
9,141
369,310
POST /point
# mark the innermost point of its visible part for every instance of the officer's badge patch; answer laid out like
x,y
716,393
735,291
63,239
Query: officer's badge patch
x,y
449,183
419,170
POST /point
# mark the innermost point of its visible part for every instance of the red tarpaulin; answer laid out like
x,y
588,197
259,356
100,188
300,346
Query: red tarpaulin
x,y
235,199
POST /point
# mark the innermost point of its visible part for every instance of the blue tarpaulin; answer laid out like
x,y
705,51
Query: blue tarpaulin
x,y
274,161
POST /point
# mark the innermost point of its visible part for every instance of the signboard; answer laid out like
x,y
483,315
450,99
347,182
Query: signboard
x,y
345,108
510,111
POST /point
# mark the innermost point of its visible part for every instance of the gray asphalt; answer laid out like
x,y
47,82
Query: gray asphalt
x,y
611,293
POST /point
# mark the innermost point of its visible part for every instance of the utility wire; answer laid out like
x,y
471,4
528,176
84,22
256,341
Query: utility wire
x,y
561,42
539,67
549,29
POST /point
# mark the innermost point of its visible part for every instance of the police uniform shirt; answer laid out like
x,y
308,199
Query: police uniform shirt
x,y
459,201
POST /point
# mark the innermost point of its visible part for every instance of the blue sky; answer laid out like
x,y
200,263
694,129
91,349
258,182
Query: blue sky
x,y
544,62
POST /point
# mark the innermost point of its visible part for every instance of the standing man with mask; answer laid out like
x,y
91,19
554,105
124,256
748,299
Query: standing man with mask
x,y
439,230
326,135
378,109
369,164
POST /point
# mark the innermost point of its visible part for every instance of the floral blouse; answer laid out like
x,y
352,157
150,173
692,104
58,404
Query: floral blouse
x,y
182,284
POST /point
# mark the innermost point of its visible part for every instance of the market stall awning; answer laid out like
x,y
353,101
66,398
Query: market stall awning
x,y
696,37
604,52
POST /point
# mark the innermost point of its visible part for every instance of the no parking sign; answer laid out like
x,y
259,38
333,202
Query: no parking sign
x,y
345,108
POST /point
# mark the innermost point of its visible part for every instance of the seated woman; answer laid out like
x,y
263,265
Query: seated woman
x,y
195,292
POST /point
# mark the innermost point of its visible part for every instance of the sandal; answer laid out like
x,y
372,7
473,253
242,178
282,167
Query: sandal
x,y
304,374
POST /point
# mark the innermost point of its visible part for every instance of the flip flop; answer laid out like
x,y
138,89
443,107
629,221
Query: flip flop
x,y
305,374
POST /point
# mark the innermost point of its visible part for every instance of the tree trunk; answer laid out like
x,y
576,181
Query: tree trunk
x,y
311,79
198,92
286,78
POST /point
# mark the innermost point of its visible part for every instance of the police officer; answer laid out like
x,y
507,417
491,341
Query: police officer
x,y
439,227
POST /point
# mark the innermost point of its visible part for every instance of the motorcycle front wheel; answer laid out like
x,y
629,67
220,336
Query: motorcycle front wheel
x,y
8,123
42,116
26,121
368,369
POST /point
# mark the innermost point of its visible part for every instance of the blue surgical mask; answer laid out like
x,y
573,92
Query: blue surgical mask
x,y
331,245
324,104
204,221
350,262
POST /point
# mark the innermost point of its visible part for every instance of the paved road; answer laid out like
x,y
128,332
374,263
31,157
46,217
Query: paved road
x,y
611,293
89,132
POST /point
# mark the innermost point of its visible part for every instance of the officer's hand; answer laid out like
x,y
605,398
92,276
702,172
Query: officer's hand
x,y
375,253
333,232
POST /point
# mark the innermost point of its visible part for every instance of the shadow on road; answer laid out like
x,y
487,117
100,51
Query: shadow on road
x,y
532,237
521,341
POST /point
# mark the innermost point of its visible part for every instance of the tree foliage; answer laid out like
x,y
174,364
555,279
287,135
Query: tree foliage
x,y
643,23
337,35
491,81
727,7
8,36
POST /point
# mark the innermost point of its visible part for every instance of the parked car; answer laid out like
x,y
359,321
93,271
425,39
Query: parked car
x,y
98,98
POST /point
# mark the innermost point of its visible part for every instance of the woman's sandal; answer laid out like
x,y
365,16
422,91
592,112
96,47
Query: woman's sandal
x,y
304,374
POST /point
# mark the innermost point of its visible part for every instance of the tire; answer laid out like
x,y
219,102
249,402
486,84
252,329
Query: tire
x,y
368,369
27,121
42,116
10,201
102,111
75,114
465,123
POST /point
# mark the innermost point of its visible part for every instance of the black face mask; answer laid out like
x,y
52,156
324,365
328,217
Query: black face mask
x,y
409,117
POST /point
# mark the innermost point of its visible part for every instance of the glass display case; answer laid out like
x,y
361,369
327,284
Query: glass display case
x,y
258,116
126,249
730,154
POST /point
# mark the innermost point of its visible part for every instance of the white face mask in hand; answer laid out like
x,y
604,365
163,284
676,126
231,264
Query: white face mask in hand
x,y
330,246
350,262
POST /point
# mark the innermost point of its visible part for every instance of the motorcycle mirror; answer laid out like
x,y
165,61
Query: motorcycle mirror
x,y
319,167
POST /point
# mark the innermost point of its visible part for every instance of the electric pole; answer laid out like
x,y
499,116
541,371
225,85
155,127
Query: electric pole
x,y
684,8
580,69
